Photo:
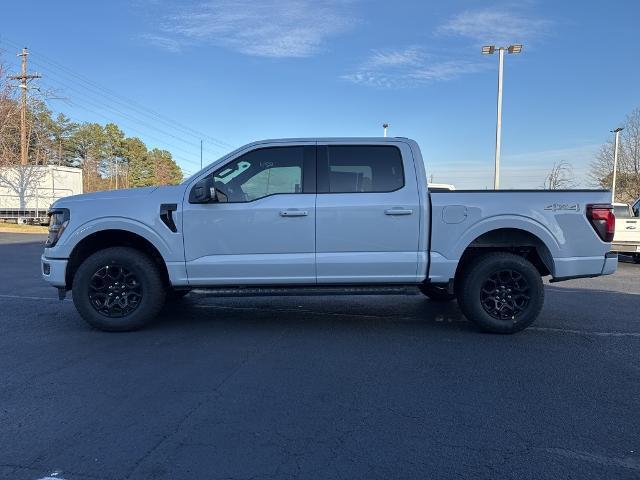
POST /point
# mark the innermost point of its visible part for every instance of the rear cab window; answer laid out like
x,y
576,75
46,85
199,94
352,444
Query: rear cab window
x,y
360,169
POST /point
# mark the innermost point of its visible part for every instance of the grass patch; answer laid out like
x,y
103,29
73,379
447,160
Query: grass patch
x,y
15,228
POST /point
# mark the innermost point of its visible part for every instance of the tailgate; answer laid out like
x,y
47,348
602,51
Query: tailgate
x,y
627,230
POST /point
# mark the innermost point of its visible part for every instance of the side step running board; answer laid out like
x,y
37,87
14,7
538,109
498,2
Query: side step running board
x,y
308,291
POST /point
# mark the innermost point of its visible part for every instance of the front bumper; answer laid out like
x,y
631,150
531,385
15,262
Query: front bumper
x,y
54,271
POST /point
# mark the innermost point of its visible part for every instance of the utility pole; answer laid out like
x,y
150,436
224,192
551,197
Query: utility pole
x,y
385,126
24,78
615,162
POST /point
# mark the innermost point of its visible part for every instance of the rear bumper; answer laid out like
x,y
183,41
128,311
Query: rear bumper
x,y
54,271
610,263
626,247
585,267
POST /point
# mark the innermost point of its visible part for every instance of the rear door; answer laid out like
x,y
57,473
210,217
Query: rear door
x,y
367,214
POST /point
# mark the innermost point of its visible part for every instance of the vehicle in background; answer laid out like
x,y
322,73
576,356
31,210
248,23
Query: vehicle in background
x,y
440,187
308,216
27,192
626,238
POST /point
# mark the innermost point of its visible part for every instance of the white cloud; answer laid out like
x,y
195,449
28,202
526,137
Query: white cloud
x,y
408,67
264,28
163,42
492,26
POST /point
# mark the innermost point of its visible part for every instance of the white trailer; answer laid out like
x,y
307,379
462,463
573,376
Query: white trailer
x,y
27,192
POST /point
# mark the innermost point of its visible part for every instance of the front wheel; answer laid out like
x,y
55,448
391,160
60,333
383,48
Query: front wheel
x,y
501,292
118,289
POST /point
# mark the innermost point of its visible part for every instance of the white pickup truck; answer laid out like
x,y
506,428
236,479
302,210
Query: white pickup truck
x,y
626,238
323,215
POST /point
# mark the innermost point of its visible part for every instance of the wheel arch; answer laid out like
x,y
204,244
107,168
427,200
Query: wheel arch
x,y
508,239
113,237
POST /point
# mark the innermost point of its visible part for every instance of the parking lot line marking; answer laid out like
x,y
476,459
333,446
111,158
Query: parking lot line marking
x,y
26,297
585,332
554,289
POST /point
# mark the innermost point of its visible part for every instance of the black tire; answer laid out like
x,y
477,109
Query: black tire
x,y
636,258
176,295
501,292
437,293
128,274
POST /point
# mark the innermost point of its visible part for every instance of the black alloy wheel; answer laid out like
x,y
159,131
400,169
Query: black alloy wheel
x,y
114,291
505,294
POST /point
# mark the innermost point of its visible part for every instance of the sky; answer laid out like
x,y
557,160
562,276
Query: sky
x,y
231,72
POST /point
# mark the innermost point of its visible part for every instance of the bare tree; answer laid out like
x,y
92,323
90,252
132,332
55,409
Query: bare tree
x,y
23,182
560,177
628,177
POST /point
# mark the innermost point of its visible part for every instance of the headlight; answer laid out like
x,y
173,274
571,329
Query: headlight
x,y
58,221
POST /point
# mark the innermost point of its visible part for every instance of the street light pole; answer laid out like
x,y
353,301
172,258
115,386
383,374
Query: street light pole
x,y
615,162
384,127
489,50
496,168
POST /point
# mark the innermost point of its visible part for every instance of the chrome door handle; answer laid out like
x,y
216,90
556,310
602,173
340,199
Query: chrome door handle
x,y
398,211
293,213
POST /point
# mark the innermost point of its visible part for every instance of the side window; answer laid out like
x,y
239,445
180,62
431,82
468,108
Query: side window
x,y
261,173
364,168
636,208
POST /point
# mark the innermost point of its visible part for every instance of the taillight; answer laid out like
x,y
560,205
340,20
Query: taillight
x,y
602,220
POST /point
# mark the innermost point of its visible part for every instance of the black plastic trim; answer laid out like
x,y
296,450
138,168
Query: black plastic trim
x,y
166,215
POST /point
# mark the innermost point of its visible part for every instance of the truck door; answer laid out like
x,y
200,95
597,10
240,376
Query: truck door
x,y
367,214
262,228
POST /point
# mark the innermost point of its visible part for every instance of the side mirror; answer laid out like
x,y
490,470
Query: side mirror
x,y
202,191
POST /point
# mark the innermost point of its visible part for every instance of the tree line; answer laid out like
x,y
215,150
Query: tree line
x,y
628,174
108,157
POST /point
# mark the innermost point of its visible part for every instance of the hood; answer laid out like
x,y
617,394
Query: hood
x,y
130,193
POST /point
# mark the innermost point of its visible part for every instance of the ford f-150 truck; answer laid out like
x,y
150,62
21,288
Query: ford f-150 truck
x,y
335,215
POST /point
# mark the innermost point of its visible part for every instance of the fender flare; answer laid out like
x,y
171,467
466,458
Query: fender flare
x,y
100,224
526,224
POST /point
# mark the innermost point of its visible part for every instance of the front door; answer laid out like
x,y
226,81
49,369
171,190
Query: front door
x,y
368,214
261,227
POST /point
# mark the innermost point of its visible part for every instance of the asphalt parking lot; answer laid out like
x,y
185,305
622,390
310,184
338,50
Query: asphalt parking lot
x,y
318,387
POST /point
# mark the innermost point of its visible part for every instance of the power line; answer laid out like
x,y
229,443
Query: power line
x,y
134,105
181,159
124,115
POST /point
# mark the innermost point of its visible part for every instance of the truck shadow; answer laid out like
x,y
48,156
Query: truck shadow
x,y
565,308
318,311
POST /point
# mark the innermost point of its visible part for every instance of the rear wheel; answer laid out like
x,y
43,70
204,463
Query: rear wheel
x,y
118,289
437,293
501,292
636,258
